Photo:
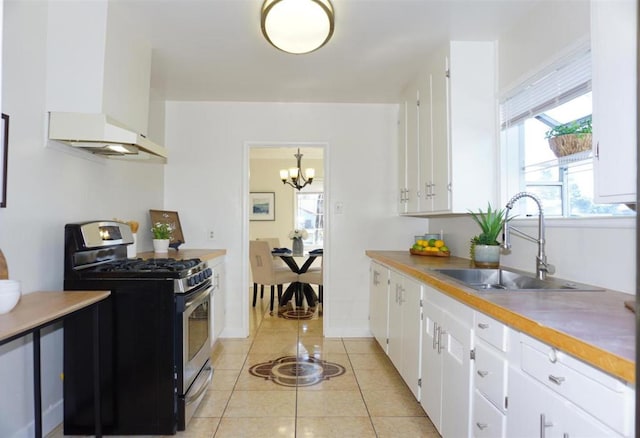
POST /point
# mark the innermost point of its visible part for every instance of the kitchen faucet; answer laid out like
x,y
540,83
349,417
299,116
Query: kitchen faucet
x,y
542,267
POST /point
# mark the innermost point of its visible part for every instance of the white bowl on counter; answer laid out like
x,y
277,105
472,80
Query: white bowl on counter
x,y
9,295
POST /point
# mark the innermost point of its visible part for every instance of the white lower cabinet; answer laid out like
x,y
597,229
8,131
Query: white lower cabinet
x,y
476,377
487,421
553,395
379,303
488,418
405,324
218,299
446,363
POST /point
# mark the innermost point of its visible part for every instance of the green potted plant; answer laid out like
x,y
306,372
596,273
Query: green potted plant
x,y
161,237
485,248
570,138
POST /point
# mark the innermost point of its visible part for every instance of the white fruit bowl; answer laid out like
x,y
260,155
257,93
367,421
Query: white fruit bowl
x,y
9,295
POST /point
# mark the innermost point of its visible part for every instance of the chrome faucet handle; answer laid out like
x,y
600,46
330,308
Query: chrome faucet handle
x,y
545,267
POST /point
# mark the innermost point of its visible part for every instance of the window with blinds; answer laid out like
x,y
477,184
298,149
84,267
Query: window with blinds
x,y
550,102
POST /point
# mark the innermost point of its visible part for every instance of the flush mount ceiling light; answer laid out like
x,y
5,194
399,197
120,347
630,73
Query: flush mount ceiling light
x,y
297,26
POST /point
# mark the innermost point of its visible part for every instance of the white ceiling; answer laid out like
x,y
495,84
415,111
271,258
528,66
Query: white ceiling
x,y
214,49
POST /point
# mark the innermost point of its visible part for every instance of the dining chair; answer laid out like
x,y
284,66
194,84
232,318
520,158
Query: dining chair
x,y
274,242
314,276
264,271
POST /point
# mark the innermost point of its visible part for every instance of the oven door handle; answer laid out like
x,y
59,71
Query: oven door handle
x,y
192,397
199,298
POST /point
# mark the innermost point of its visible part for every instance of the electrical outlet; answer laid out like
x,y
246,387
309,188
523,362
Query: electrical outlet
x,y
211,235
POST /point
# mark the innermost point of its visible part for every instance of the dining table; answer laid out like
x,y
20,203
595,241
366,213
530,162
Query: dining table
x,y
298,288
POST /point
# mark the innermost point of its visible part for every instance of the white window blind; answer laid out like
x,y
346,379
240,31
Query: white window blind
x,y
558,84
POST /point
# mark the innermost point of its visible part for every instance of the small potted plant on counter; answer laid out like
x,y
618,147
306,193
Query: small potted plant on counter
x,y
161,237
485,248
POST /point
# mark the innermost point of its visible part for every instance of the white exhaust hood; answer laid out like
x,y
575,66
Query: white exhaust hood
x,y
101,135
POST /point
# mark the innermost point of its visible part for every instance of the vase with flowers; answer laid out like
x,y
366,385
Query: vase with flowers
x,y
298,235
161,237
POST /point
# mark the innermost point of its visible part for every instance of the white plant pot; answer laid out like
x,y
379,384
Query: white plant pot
x,y
487,256
161,246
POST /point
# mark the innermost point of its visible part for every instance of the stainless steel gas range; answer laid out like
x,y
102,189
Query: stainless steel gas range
x,y
155,335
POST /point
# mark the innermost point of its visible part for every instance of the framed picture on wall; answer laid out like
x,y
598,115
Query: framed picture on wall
x,y
262,206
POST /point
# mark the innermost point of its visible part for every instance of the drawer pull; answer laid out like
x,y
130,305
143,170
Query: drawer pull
x,y
482,373
482,426
556,379
483,325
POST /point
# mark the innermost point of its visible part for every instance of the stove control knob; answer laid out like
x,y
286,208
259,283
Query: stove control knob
x,y
190,281
200,277
208,272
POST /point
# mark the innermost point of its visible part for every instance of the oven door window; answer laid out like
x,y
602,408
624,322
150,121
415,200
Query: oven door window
x,y
198,322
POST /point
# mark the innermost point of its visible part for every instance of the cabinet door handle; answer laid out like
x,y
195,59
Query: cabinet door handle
x,y
544,425
556,379
435,336
482,373
481,426
440,333
483,325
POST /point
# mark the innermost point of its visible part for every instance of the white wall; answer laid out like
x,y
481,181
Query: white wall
x,y
361,172
545,33
46,189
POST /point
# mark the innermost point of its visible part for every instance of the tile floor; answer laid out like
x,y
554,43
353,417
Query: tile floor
x,y
368,400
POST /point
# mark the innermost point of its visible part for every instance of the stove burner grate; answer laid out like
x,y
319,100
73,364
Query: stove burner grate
x,y
150,265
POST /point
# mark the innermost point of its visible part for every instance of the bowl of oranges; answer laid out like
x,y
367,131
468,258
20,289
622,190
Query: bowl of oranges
x,y
430,247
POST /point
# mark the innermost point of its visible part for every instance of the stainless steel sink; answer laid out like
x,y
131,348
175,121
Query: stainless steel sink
x,y
510,280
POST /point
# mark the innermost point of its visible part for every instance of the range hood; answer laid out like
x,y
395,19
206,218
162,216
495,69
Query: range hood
x,y
101,135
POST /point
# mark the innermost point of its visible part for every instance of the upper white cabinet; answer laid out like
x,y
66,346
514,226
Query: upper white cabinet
x,y
456,129
97,63
409,154
613,48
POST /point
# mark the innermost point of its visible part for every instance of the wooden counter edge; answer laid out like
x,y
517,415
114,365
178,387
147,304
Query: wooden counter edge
x,y
604,360
36,309
203,254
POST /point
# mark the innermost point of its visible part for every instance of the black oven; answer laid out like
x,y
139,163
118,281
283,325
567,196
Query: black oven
x,y
155,335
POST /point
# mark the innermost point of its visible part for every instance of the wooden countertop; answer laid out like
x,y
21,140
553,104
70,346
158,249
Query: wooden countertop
x,y
595,327
202,254
39,308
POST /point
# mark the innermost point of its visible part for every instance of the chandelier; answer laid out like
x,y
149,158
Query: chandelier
x,y
294,176
297,26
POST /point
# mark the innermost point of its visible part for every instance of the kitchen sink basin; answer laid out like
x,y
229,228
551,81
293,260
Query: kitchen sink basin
x,y
510,280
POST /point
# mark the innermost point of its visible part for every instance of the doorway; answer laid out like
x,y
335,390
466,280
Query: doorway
x,y
292,208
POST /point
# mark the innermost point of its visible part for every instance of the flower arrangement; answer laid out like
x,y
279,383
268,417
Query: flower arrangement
x,y
161,231
298,234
